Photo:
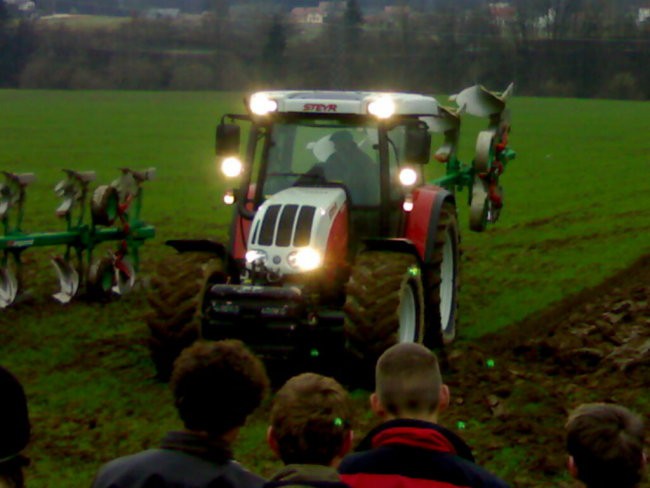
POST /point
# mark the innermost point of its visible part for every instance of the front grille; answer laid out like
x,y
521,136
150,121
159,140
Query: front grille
x,y
268,225
303,227
284,225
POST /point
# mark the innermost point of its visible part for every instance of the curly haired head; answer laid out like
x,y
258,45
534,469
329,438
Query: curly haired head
x,y
217,385
310,419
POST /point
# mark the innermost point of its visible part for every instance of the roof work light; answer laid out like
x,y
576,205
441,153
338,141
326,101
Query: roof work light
x,y
262,104
382,107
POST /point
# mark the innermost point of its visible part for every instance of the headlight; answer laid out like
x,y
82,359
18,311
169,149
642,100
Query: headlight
x,y
408,176
305,259
229,197
407,205
382,108
261,104
254,255
231,167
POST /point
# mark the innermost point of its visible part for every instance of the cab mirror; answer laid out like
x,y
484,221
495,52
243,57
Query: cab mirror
x,y
227,140
418,145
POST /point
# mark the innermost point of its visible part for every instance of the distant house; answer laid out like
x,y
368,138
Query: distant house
x,y
544,24
502,13
162,13
307,15
22,7
331,7
317,15
390,15
396,11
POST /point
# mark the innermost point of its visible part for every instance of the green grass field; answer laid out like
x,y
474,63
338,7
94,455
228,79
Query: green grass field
x,y
577,209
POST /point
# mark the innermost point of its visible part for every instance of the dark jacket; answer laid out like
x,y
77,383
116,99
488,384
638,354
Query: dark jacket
x,y
411,453
184,460
306,475
14,418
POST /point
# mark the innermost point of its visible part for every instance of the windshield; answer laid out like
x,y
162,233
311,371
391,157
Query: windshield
x,y
325,151
312,152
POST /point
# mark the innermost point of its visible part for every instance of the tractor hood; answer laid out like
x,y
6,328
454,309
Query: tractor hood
x,y
294,229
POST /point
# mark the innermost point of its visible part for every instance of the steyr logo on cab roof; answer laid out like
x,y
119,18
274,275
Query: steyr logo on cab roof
x,y
319,107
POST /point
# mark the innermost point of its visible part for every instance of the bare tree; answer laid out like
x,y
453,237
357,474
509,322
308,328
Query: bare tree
x,y
274,52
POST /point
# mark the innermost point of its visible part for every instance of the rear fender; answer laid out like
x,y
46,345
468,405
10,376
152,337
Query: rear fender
x,y
396,244
198,245
422,222
208,246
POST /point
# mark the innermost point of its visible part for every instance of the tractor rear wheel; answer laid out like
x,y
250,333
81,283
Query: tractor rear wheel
x,y
442,281
175,298
384,303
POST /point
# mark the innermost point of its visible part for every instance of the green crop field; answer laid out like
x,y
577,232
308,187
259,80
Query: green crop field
x,y
577,209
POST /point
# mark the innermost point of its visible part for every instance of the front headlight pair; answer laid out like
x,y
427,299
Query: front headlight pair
x,y
304,259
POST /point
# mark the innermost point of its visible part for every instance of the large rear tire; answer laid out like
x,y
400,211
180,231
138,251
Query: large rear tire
x,y
384,303
175,297
442,281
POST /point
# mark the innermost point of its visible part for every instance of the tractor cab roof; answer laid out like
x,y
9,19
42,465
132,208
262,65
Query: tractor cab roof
x,y
379,104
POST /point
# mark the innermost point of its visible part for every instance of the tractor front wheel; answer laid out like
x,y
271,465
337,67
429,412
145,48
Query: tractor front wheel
x,y
384,303
175,298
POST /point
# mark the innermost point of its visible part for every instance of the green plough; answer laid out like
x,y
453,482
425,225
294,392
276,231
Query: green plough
x,y
115,216
492,155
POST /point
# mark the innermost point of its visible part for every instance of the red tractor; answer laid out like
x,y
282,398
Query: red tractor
x,y
338,245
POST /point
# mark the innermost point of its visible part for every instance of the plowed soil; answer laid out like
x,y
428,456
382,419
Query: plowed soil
x,y
515,388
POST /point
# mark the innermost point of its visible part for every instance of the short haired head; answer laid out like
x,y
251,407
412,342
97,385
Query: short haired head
x,y
606,444
217,385
310,420
408,381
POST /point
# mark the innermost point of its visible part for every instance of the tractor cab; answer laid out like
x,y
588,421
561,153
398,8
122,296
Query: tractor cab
x,y
364,149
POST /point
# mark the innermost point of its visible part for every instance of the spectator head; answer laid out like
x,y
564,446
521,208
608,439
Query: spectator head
x,y
605,445
310,421
217,385
408,384
14,429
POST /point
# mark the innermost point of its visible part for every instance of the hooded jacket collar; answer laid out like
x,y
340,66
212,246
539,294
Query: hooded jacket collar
x,y
198,444
306,473
416,433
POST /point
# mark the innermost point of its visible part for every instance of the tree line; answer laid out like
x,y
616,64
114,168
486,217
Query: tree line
x,y
573,48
